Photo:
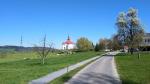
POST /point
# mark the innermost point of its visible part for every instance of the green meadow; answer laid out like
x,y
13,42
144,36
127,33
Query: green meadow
x,y
133,70
16,69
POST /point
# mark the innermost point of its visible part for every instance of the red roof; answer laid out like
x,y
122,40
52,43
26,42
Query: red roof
x,y
68,41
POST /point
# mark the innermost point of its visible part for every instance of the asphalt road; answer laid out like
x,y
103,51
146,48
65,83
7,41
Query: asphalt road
x,y
102,71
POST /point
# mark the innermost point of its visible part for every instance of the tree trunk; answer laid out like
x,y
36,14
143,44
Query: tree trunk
x,y
131,51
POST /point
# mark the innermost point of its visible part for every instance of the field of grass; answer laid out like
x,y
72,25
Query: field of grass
x,y
15,70
133,70
14,56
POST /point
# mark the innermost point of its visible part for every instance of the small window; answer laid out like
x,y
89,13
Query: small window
x,y
145,40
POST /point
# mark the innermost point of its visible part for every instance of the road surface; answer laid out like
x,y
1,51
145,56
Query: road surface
x,y
102,71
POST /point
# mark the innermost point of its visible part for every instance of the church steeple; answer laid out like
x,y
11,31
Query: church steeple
x,y
68,37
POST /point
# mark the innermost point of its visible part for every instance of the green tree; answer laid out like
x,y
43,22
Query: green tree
x,y
83,44
103,44
97,47
115,43
130,30
109,44
93,46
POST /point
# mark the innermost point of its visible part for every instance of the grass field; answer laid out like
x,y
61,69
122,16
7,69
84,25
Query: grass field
x,y
14,56
133,70
15,70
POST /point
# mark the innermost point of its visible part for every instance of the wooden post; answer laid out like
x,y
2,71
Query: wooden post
x,y
139,56
67,68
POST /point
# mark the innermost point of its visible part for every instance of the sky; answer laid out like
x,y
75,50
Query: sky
x,y
57,19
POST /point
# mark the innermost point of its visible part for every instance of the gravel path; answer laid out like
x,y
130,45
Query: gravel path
x,y
102,71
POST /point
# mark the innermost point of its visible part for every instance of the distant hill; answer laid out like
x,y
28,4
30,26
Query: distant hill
x,y
15,48
9,48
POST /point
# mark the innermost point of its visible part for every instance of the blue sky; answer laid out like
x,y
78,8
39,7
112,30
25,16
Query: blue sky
x,y
93,19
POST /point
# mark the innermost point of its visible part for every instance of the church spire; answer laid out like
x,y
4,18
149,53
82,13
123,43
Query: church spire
x,y
68,37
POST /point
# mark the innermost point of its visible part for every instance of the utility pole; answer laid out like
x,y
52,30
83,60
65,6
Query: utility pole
x,y
21,41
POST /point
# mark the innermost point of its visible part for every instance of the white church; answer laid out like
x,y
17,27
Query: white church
x,y
68,44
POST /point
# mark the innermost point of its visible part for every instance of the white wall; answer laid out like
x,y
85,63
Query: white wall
x,y
70,46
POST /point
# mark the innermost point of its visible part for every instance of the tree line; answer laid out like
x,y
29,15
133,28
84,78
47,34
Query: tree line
x,y
130,33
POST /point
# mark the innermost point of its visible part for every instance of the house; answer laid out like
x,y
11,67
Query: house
x,y
146,42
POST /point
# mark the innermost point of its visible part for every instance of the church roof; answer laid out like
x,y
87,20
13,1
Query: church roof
x,y
68,41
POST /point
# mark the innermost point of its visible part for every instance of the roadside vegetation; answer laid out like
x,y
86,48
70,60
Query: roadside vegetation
x,y
66,77
133,70
21,67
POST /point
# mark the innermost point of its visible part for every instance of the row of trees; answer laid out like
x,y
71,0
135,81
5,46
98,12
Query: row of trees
x,y
110,44
83,44
130,32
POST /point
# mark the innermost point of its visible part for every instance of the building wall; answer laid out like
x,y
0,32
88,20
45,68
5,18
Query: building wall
x,y
68,46
146,41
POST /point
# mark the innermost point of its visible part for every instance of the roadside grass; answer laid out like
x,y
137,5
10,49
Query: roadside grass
x,y
133,70
21,71
66,77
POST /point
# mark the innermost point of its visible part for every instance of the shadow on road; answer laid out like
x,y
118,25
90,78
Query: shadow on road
x,y
108,55
97,78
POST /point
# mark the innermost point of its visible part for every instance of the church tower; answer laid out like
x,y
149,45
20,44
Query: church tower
x,y
68,44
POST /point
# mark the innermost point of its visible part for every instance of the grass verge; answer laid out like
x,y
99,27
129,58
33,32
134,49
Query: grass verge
x,y
133,70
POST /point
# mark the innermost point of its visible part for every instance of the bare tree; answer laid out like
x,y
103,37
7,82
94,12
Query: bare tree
x,y
43,50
